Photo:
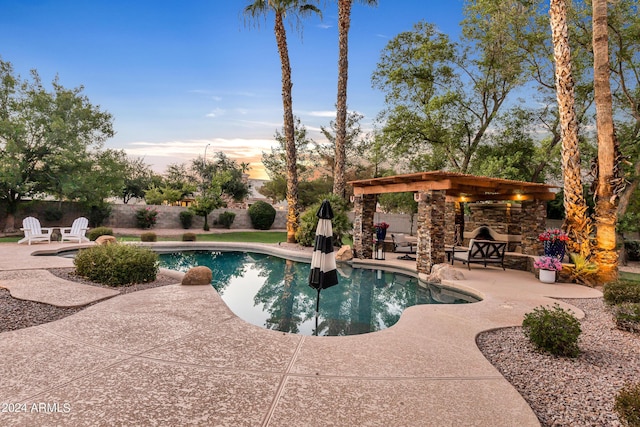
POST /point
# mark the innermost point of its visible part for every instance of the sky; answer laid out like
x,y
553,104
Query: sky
x,y
185,78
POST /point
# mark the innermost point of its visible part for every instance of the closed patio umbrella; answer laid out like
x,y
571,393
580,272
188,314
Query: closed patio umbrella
x,y
323,272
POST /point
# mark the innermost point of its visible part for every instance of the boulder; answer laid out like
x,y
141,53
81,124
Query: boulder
x,y
440,272
345,253
197,276
105,240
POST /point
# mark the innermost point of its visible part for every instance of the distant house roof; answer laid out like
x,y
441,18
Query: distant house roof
x,y
457,186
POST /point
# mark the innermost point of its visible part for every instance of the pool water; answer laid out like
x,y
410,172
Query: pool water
x,y
274,293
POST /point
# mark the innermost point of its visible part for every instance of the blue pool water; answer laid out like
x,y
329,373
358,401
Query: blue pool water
x,y
274,293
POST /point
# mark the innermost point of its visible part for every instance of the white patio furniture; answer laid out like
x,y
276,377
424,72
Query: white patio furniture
x,y
76,231
33,232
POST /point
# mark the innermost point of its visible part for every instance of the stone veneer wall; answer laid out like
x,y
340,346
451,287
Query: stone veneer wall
x,y
431,230
504,218
364,210
450,223
533,221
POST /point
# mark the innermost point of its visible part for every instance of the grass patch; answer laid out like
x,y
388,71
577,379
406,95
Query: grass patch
x,y
631,277
245,236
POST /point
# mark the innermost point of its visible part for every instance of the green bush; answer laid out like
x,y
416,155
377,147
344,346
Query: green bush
x,y
627,405
633,250
117,265
146,217
186,219
189,237
226,218
621,291
98,212
628,316
94,233
262,215
554,330
148,237
53,214
340,224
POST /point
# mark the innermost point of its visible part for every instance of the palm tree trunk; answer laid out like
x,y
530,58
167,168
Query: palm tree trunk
x,y
606,256
577,223
344,22
289,133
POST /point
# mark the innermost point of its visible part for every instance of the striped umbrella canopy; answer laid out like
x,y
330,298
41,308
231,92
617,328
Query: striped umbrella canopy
x,y
323,272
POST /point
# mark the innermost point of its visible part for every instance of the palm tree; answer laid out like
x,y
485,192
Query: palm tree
x,y
605,254
344,22
297,9
577,223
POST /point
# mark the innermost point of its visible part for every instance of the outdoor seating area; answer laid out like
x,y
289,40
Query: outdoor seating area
x,y
401,244
34,232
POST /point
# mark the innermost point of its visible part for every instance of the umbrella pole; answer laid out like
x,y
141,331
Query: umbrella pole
x,y
317,310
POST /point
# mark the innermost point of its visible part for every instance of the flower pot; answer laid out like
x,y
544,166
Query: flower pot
x,y
381,233
547,276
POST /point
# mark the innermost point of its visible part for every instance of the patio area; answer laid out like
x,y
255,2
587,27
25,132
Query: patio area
x,y
176,355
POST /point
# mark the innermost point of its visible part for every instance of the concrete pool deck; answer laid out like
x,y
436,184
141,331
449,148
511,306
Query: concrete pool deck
x,y
176,355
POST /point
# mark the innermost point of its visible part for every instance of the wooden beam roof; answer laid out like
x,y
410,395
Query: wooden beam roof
x,y
457,186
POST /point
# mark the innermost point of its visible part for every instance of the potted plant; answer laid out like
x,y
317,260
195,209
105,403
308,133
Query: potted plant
x,y
554,242
548,266
381,231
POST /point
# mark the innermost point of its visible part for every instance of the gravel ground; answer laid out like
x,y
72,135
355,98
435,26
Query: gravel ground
x,y
563,391
18,314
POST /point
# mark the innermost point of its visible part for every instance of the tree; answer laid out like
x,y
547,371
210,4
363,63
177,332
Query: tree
x,y
443,96
138,179
275,162
605,252
281,9
44,135
344,23
578,225
327,153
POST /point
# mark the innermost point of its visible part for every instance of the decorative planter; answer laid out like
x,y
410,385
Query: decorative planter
x,y
547,276
381,233
554,248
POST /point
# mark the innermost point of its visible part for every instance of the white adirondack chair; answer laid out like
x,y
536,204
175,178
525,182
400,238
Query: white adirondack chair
x,y
76,231
33,232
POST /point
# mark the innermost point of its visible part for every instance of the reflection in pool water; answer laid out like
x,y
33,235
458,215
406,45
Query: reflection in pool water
x,y
274,293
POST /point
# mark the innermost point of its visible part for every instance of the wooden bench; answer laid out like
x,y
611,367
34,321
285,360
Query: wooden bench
x,y
480,252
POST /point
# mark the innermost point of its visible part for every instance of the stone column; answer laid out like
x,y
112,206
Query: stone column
x,y
450,223
533,221
431,230
364,206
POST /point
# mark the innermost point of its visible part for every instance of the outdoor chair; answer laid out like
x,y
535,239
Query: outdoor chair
x,y
33,232
480,252
402,245
76,231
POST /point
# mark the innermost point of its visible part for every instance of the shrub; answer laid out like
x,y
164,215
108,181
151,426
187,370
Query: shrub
x,y
554,330
117,265
633,250
628,316
226,218
186,219
53,214
189,237
262,215
94,233
622,291
148,237
98,213
627,405
341,226
146,217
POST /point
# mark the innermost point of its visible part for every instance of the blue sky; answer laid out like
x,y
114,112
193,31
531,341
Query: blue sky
x,y
180,74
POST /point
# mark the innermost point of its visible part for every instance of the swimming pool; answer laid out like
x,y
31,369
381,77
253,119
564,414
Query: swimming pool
x,y
273,293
